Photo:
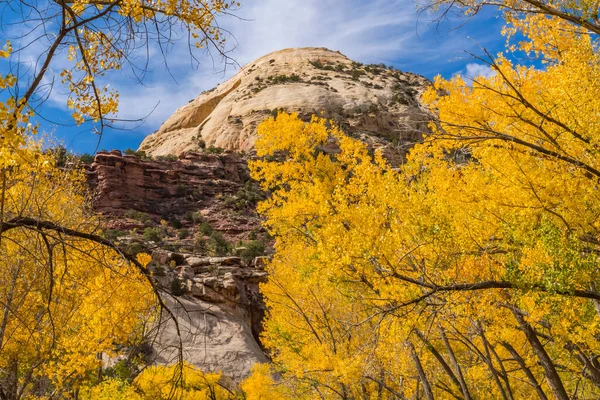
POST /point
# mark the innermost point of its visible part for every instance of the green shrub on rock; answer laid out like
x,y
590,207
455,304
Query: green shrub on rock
x,y
177,287
252,250
153,234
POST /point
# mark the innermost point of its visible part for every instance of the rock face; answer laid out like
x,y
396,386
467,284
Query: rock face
x,y
187,203
164,189
219,313
376,103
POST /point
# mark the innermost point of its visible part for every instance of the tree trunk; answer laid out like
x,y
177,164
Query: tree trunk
x,y
549,371
459,375
525,368
440,359
506,394
420,371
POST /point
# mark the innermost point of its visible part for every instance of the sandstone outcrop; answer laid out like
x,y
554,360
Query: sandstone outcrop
x,y
218,305
373,102
190,193
219,313
166,189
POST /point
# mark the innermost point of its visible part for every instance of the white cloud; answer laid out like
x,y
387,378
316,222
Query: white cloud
x,y
474,70
375,31
353,27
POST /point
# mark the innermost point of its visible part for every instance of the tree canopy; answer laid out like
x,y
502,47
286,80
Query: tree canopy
x,y
67,294
468,272
93,38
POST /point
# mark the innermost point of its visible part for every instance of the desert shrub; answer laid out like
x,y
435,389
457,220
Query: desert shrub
x,y
86,158
177,287
138,216
253,249
153,234
189,216
159,271
253,234
175,223
138,153
317,64
113,234
400,99
205,228
275,112
279,79
246,197
356,74
183,233
214,150
200,245
168,157
375,69
197,217
134,248
220,245
229,201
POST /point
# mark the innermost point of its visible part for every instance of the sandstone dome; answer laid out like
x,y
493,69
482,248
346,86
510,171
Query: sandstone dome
x,y
376,103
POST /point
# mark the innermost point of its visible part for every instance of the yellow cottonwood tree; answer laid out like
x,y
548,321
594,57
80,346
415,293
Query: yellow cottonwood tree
x,y
100,36
66,293
471,272
157,382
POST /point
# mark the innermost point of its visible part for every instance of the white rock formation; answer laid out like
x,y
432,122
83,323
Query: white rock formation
x,y
376,103
218,314
215,337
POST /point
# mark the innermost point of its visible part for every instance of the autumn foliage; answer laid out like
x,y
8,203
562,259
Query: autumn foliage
x,y
69,298
468,272
65,298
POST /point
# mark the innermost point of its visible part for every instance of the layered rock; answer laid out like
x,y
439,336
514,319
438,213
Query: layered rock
x,y
218,314
376,103
196,182
218,306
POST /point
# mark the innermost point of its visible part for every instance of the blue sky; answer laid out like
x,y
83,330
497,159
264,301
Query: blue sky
x,y
375,31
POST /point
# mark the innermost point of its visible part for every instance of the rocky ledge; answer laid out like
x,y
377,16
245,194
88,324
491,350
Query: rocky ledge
x,y
213,186
219,311
186,212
